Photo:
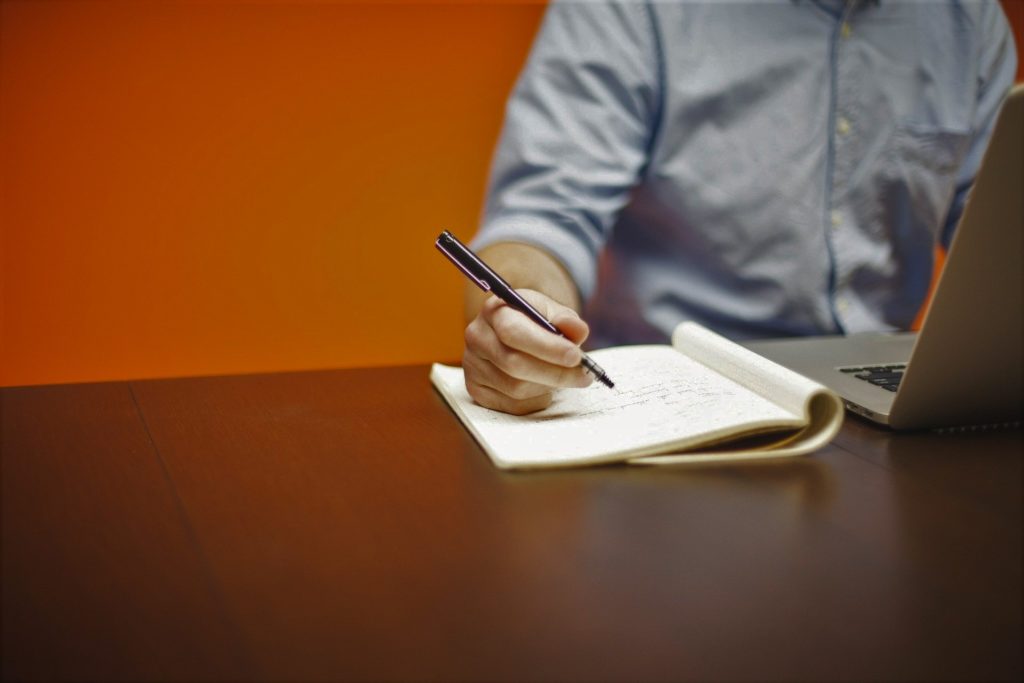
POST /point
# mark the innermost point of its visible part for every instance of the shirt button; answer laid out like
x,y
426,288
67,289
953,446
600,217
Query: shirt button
x,y
844,30
837,219
843,125
842,305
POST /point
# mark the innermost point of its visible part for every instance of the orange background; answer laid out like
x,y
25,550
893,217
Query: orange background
x,y
207,188
216,187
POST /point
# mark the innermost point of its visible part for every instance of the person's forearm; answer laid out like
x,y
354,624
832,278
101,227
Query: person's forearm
x,y
527,267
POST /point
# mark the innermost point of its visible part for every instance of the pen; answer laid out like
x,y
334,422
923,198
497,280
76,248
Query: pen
x,y
489,281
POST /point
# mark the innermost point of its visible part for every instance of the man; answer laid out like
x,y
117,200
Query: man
x,y
772,168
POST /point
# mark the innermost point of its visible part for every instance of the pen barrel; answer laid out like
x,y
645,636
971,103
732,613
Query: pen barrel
x,y
596,370
489,281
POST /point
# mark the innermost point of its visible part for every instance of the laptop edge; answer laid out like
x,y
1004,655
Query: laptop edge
x,y
964,368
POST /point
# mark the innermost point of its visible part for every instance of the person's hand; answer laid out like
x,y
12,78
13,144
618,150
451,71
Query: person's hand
x,y
512,364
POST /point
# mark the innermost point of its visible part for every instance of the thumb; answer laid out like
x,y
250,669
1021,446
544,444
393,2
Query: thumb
x,y
571,325
564,318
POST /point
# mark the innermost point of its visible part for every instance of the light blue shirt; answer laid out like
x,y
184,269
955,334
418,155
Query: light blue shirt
x,y
771,168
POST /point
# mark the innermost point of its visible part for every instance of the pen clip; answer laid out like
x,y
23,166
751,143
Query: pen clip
x,y
481,283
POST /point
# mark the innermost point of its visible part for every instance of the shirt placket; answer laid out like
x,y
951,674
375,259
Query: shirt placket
x,y
839,220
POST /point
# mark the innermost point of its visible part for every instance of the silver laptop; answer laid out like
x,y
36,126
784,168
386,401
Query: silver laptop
x,y
964,367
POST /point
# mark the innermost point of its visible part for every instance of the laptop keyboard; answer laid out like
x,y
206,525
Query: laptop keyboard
x,y
884,376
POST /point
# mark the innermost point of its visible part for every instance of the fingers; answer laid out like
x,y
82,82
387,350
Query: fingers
x,y
507,367
514,330
512,364
492,388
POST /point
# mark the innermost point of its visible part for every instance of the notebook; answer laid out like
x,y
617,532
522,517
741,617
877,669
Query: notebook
x,y
704,399
963,369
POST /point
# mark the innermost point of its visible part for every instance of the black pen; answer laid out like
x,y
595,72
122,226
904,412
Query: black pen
x,y
489,281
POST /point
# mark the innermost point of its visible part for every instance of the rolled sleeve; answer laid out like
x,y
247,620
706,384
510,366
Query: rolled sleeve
x,y
576,254
577,132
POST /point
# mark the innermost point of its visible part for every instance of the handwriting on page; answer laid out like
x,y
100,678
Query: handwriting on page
x,y
657,381
660,397
658,392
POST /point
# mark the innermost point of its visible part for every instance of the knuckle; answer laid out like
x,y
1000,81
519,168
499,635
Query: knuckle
x,y
519,337
519,389
473,336
537,403
473,389
471,368
504,326
479,395
527,406
514,363
490,306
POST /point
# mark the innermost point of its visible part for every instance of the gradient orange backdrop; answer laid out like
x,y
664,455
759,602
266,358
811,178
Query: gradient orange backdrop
x,y
193,188
205,188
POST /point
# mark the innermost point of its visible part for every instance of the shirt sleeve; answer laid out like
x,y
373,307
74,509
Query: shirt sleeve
x,y
578,128
997,66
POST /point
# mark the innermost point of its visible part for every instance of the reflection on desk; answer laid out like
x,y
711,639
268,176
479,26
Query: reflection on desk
x,y
343,525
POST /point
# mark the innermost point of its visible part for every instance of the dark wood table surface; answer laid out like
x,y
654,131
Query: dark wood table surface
x,y
343,525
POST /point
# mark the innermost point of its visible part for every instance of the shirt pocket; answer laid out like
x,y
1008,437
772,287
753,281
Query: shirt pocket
x,y
920,175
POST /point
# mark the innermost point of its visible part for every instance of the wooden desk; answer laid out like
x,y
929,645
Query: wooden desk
x,y
343,525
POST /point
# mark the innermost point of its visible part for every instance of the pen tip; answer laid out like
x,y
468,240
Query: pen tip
x,y
603,379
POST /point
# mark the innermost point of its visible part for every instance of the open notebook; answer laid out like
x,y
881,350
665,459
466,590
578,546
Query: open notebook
x,y
702,399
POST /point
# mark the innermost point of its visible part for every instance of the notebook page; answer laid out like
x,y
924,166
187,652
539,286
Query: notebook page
x,y
662,399
781,385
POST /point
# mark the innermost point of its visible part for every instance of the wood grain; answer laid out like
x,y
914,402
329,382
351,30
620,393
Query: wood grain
x,y
343,525
102,579
358,532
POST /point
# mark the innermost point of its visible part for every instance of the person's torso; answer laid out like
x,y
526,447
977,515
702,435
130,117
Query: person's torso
x,y
801,171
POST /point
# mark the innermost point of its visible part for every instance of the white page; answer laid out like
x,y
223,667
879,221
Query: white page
x,y
783,386
661,400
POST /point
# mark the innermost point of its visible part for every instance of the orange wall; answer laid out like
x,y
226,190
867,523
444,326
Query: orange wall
x,y
193,188
203,188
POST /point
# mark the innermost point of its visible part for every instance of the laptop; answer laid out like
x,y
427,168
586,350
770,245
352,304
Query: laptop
x,y
963,369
